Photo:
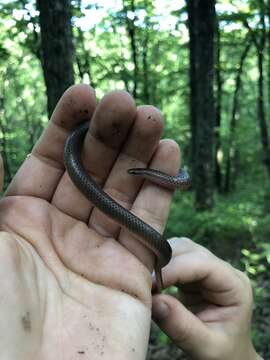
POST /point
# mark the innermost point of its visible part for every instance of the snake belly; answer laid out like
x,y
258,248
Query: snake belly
x,y
151,238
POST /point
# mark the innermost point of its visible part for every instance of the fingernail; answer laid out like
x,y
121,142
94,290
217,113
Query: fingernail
x,y
160,311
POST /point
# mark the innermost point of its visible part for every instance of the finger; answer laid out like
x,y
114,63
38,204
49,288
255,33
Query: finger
x,y
216,279
182,327
138,149
152,203
111,122
190,294
40,173
181,245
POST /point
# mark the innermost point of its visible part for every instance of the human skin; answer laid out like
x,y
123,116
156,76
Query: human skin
x,y
211,318
76,286
73,284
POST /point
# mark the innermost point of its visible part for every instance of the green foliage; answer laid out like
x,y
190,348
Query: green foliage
x,y
233,224
22,107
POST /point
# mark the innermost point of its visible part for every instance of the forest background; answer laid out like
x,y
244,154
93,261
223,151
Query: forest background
x,y
205,64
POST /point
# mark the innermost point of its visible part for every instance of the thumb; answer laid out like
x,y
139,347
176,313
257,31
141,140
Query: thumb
x,y
181,325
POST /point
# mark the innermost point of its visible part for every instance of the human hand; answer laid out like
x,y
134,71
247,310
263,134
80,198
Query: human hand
x,y
213,317
72,282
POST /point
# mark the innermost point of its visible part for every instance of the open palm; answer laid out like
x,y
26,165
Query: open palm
x,y
74,285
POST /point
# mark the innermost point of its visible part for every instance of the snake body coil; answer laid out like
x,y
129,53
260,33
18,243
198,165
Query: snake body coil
x,y
85,183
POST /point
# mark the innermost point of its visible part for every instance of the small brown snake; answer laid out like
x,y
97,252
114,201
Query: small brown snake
x,y
144,232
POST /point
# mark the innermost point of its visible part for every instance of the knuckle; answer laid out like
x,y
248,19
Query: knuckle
x,y
181,245
245,280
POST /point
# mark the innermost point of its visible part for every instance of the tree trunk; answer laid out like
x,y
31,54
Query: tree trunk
x,y
261,112
146,68
57,48
259,40
145,50
268,37
84,60
218,174
231,144
260,43
131,30
201,23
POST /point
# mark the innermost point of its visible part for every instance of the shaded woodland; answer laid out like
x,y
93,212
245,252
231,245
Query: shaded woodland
x,y
205,65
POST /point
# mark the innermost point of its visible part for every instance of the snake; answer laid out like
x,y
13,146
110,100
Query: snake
x,y
86,184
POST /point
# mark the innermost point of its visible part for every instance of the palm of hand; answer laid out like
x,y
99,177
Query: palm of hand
x,y
74,288
54,304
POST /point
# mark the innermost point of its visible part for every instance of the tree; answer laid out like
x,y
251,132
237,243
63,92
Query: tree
x,y
219,83
259,40
235,109
201,24
56,48
268,38
131,30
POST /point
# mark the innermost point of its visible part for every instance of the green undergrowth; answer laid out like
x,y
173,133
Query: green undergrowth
x,y
238,222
